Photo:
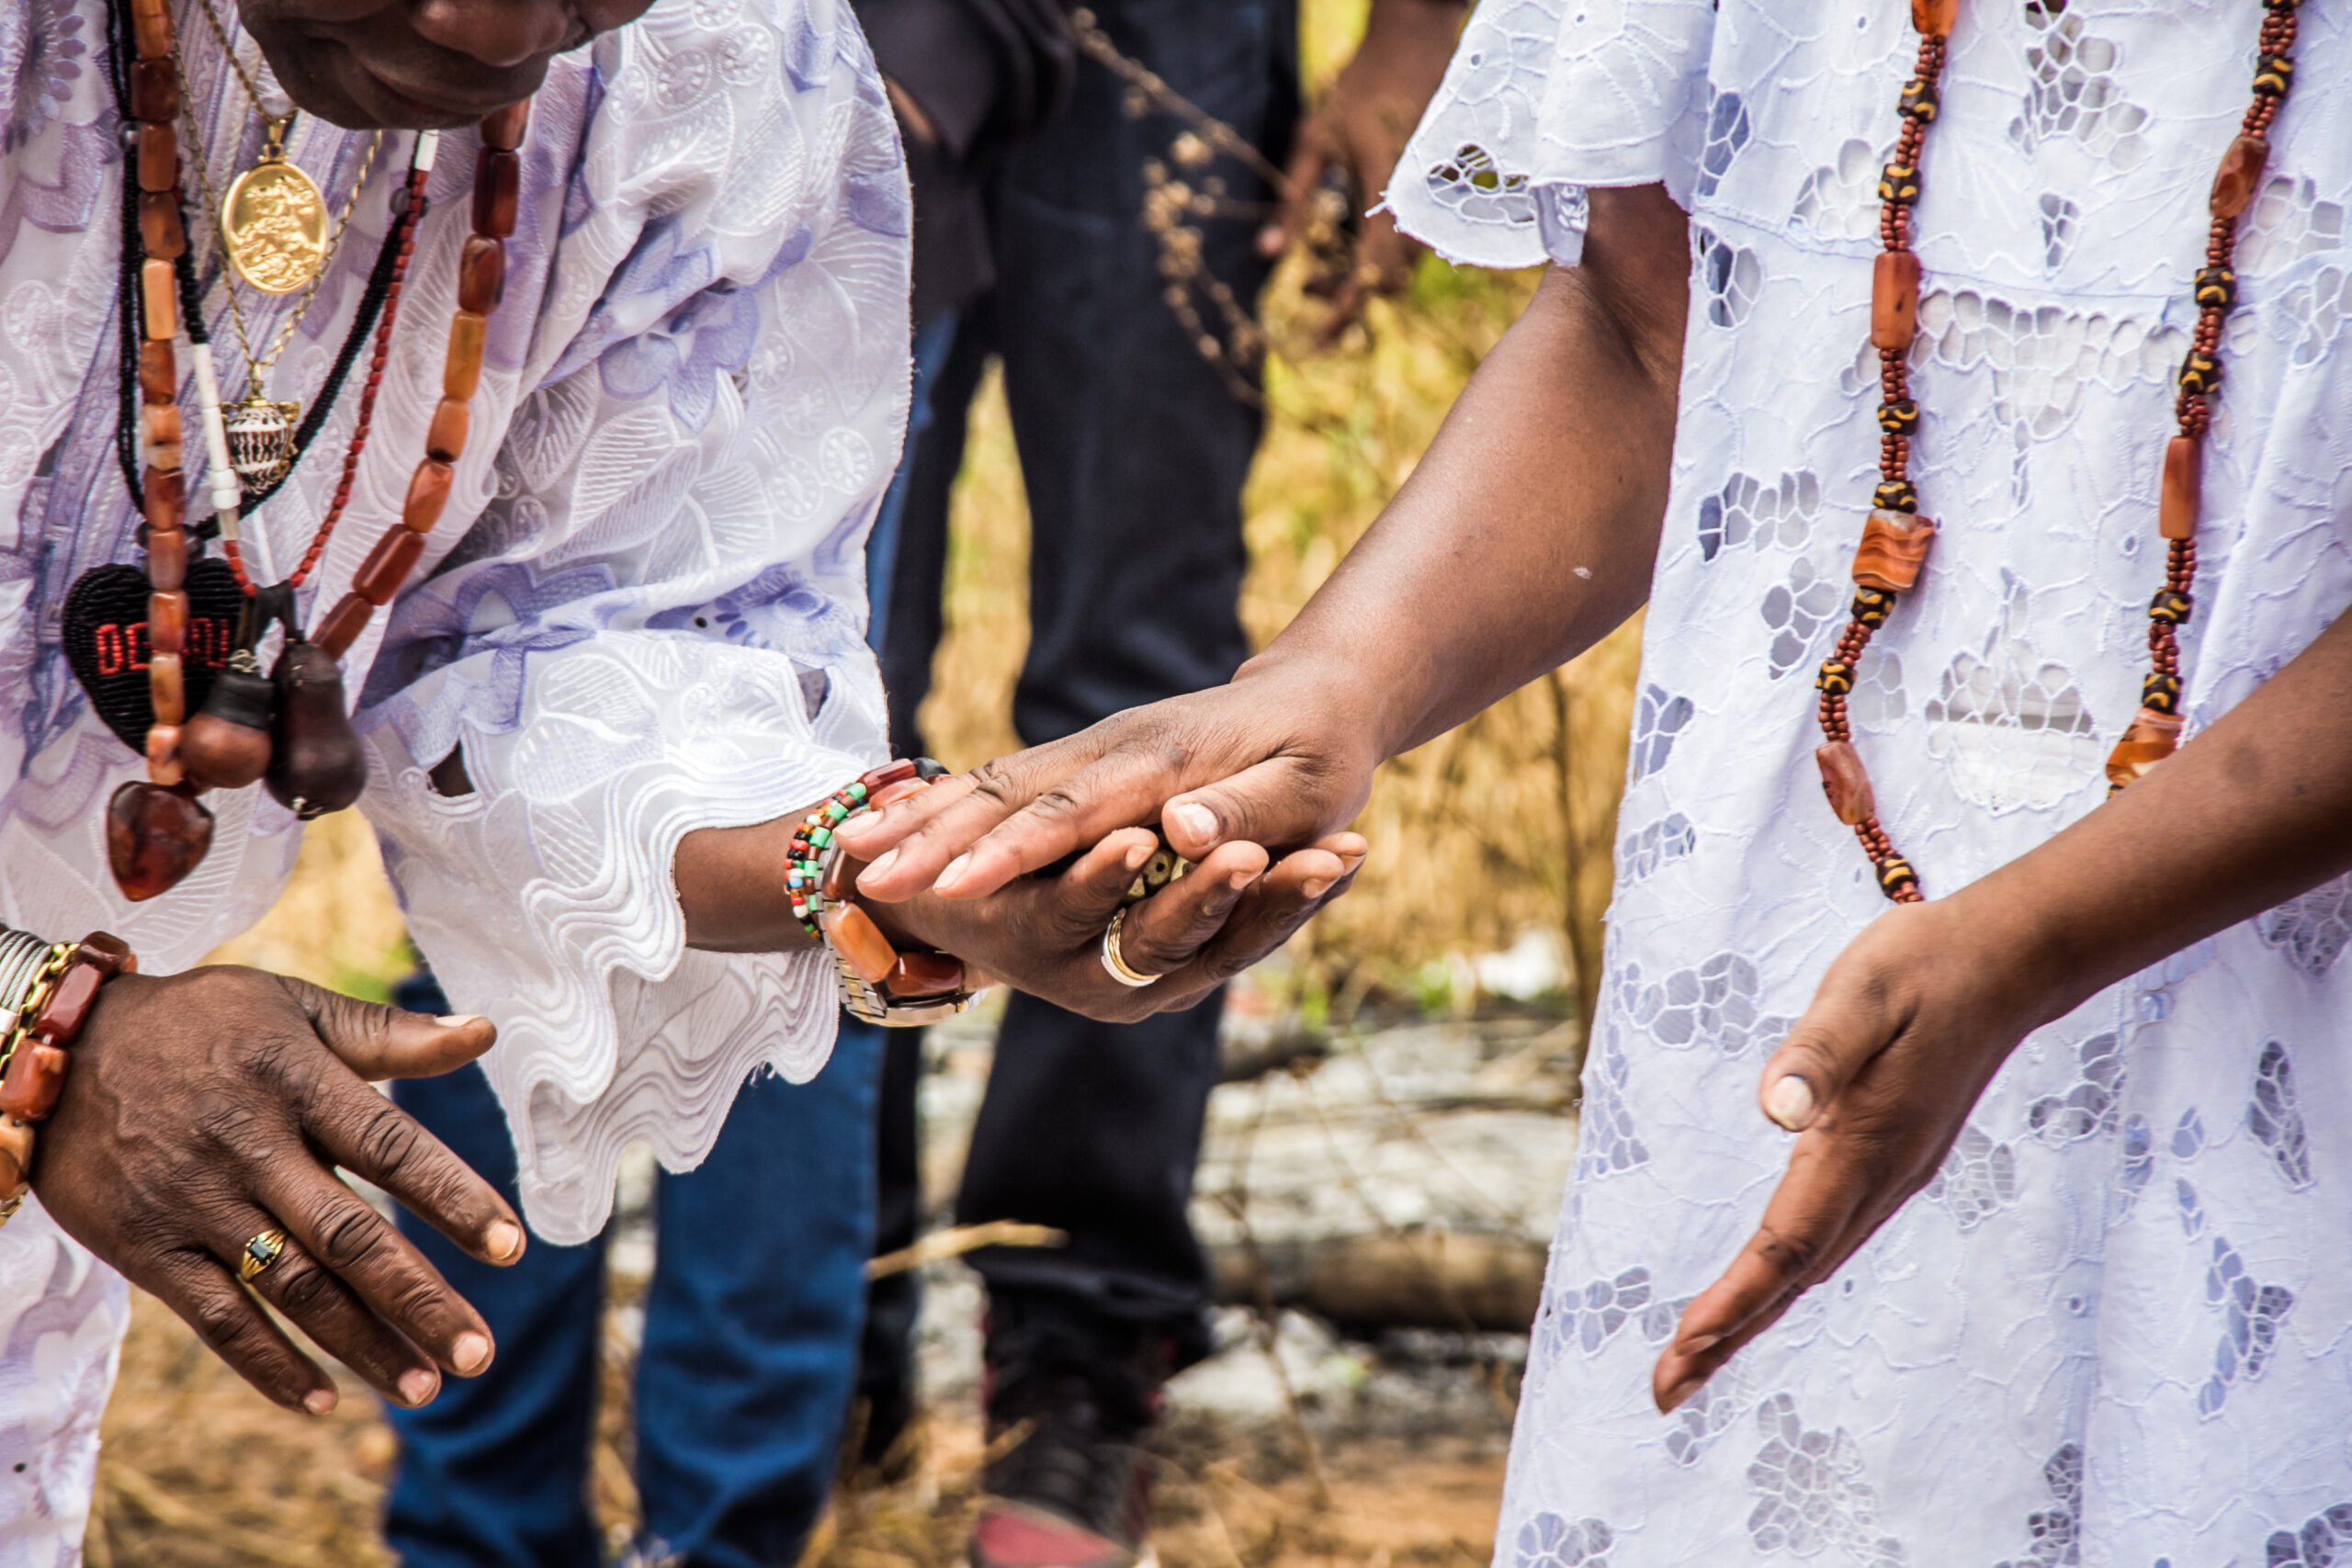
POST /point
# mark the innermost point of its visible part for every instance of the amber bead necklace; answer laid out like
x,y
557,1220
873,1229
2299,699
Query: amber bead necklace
x,y
1895,537
300,735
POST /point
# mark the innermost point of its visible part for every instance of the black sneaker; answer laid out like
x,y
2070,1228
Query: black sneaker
x,y
1072,1485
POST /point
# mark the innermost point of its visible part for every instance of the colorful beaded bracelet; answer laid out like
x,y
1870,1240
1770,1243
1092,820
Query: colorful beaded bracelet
x,y
33,1059
878,983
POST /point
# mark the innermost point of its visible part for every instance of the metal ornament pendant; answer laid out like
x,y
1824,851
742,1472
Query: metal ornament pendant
x,y
261,440
273,222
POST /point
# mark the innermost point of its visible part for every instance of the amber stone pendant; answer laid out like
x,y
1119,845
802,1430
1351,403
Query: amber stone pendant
x,y
316,764
154,837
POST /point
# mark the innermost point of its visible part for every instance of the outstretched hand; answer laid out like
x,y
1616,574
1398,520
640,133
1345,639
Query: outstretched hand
x,y
207,1107
1876,1079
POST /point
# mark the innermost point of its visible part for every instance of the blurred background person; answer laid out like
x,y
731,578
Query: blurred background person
x,y
1038,145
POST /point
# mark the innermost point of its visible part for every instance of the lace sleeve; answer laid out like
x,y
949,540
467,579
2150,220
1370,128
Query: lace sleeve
x,y
1544,98
656,623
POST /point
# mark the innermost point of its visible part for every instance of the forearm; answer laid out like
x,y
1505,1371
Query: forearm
x,y
1530,528
2256,808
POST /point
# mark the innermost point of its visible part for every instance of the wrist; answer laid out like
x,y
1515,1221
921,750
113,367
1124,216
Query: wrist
x,y
1355,711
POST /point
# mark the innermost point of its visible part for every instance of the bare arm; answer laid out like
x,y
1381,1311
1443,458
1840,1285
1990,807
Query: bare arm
x,y
1527,533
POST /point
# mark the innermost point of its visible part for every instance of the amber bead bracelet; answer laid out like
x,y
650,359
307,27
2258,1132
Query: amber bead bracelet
x,y
33,1059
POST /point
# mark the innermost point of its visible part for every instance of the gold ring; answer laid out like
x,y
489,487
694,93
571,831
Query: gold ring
x,y
261,1255
1114,963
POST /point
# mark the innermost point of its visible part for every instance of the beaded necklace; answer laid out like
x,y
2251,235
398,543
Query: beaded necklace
x,y
294,729
1895,537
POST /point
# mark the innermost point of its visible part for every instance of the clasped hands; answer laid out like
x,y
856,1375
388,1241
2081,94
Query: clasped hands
x,y
1907,1028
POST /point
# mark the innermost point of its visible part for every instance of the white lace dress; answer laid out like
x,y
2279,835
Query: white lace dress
x,y
642,613
2116,1329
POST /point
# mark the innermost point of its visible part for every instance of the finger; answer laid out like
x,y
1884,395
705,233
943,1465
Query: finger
x,y
325,1307
1165,930
1852,1019
1277,802
1268,915
234,1327
352,1243
1023,813
1803,1235
379,1042
1084,898
375,1140
871,834
1311,153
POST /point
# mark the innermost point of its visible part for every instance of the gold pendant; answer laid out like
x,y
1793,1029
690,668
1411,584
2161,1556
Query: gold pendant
x,y
260,439
273,222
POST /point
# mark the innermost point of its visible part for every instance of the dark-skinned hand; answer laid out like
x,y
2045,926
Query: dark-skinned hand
x,y
1257,762
1362,126
207,1107
1876,1079
1045,933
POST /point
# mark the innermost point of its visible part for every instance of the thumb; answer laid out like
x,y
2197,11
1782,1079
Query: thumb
x,y
1852,1019
379,1042
1280,803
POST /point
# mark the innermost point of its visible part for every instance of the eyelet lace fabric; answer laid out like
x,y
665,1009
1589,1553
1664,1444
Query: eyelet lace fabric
x,y
642,613
2116,1328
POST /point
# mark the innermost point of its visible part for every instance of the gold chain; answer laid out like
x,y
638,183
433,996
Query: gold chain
x,y
36,992
259,366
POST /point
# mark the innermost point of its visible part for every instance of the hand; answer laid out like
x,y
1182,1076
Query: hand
x,y
1268,759
1910,1024
205,1108
1046,935
1364,125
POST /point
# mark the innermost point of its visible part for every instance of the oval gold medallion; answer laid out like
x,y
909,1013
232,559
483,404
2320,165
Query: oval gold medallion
x,y
274,226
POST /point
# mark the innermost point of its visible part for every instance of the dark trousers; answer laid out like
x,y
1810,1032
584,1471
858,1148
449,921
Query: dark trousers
x,y
1134,451
749,1353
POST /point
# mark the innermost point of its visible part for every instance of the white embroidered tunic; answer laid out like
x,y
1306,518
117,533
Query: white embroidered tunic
x,y
642,611
2117,1328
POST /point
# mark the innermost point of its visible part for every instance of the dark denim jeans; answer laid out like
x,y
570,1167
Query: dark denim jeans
x,y
750,1349
1134,452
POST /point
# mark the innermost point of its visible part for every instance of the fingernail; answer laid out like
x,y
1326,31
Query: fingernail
x,y
1699,1346
1198,821
470,1353
319,1401
417,1385
952,875
1240,879
504,1238
1790,1102
1137,855
1679,1393
1315,887
879,868
458,1020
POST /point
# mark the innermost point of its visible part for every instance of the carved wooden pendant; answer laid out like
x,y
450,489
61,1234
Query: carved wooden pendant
x,y
154,837
316,764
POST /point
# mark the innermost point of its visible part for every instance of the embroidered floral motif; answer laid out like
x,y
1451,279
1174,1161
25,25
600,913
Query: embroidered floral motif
x,y
2314,929
1811,1492
2055,1531
2275,1115
41,50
